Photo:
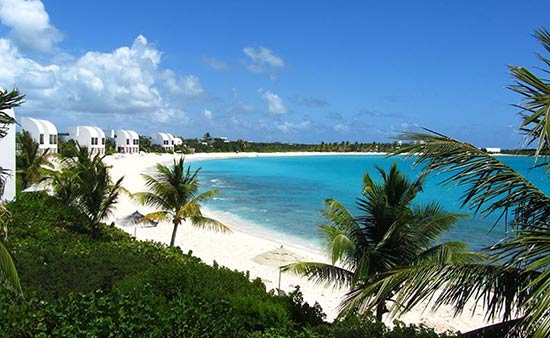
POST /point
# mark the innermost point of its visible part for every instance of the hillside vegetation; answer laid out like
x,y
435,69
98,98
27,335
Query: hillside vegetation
x,y
76,285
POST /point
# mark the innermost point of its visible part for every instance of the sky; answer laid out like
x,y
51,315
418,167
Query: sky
x,y
287,71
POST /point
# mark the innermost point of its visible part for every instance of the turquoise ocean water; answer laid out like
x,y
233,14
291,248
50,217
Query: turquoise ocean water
x,y
284,195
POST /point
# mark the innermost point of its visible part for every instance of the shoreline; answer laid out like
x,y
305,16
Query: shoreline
x,y
235,250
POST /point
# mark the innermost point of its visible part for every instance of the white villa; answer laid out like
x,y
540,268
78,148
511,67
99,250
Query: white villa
x,y
164,139
127,141
178,141
42,132
92,138
493,150
7,160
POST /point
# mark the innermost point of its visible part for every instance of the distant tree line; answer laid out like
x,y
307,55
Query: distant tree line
x,y
212,145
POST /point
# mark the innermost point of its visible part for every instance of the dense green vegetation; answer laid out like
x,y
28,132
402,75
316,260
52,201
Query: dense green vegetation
x,y
220,145
83,182
209,144
30,160
77,285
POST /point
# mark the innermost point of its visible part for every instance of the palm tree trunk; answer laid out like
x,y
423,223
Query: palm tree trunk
x,y
173,240
95,230
380,310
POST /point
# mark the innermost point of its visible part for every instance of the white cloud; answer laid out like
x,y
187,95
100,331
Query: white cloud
x,y
310,102
288,127
30,25
127,81
275,104
188,85
235,121
215,64
207,114
191,85
262,58
166,114
340,127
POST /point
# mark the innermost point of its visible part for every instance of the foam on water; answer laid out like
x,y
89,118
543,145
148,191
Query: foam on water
x,y
283,196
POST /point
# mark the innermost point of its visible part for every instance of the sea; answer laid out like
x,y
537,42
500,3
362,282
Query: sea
x,y
284,196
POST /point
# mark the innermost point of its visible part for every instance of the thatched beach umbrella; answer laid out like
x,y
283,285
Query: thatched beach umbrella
x,y
36,187
33,188
136,219
278,258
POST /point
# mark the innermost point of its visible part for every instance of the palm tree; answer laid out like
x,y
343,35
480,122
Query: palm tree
x,y
8,272
30,160
8,100
97,194
517,283
84,183
175,191
390,233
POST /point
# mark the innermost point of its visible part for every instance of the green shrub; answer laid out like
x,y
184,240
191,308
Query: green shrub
x,y
113,286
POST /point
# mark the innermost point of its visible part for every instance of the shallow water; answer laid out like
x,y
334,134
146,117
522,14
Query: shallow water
x,y
285,194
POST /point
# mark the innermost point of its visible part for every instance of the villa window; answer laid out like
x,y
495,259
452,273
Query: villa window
x,y
41,138
127,141
136,142
103,140
94,141
53,139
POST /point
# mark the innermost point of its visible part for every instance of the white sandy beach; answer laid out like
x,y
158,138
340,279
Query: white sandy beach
x,y
236,249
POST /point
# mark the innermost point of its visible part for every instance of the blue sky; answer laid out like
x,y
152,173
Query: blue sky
x,y
292,71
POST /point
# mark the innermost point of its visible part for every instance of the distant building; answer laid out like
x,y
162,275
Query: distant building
x,y
92,138
165,140
127,141
493,150
42,132
178,141
7,160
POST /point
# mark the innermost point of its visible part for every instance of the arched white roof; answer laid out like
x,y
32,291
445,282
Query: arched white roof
x,y
32,125
91,131
128,133
166,136
133,134
99,132
51,129
87,131
121,133
37,126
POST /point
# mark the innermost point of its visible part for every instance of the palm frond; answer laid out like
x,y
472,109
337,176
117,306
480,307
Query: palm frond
x,y
8,100
431,222
500,290
109,199
530,247
338,244
491,185
8,272
157,216
208,223
205,196
451,253
321,273
152,199
189,209
340,218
